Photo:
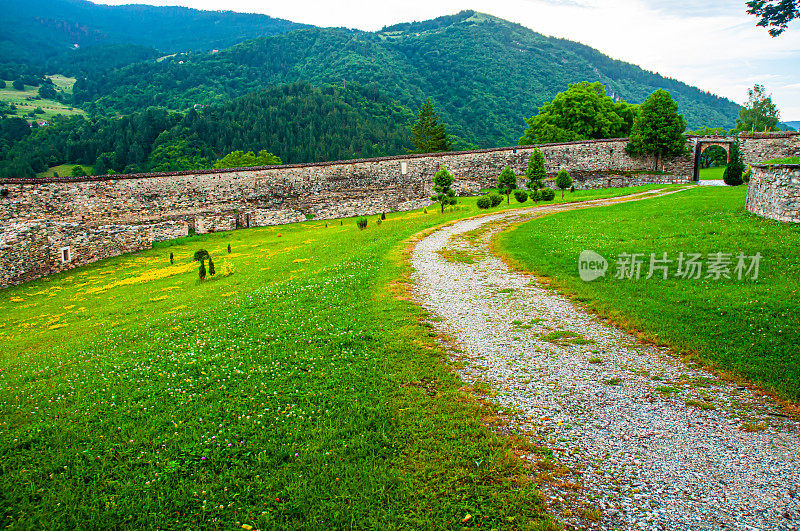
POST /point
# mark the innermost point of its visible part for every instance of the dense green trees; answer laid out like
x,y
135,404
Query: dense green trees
x,y
583,112
240,159
429,135
297,122
759,114
658,129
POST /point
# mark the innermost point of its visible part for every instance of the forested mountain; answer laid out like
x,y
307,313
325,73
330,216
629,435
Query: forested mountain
x,y
297,122
484,74
36,30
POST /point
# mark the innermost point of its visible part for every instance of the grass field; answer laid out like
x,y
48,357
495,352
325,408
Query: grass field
x,y
65,170
715,174
747,328
302,391
28,100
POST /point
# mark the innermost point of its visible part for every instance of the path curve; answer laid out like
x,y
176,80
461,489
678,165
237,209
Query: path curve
x,y
643,457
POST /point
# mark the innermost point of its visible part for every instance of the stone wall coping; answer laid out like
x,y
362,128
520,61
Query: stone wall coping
x,y
124,176
776,166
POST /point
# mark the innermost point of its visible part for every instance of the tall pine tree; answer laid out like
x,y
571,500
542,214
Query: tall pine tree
x,y
428,135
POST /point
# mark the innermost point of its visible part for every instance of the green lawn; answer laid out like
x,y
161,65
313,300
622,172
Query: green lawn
x,y
787,160
302,391
744,327
715,174
65,170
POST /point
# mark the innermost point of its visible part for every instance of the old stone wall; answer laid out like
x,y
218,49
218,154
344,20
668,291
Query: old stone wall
x,y
32,249
774,192
79,212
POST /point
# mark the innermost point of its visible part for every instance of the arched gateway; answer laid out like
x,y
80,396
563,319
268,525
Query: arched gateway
x,y
701,143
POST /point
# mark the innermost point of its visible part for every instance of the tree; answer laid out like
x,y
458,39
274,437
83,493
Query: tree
x,y
211,270
240,159
583,112
18,84
759,113
775,14
47,92
563,180
428,135
507,183
658,129
535,173
442,182
735,169
78,171
202,271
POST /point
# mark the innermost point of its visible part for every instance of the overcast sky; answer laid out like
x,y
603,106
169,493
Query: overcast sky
x,y
710,44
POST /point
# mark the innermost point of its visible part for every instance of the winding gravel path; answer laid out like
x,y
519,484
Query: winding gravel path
x,y
613,410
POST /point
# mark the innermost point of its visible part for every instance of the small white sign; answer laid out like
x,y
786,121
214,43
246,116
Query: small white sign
x,y
403,168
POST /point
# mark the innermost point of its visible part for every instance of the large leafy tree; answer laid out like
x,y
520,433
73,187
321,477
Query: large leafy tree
x,y
583,112
429,135
774,14
658,129
759,113
443,193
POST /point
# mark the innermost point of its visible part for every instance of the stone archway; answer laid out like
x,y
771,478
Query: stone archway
x,y
703,143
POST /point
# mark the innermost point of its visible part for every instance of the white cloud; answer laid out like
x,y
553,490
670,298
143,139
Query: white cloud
x,y
713,45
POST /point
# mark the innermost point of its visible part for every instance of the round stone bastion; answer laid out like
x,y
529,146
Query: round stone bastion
x,y
774,191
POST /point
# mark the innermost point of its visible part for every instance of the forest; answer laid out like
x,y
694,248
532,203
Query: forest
x,y
305,94
297,122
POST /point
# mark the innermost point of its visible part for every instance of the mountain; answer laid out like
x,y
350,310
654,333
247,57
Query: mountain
x,y
298,122
36,30
484,74
792,126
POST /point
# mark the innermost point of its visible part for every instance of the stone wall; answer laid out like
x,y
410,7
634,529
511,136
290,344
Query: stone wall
x,y
32,249
77,211
774,192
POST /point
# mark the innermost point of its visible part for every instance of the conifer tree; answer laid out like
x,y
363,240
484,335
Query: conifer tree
x,y
507,182
535,172
735,168
428,135
442,183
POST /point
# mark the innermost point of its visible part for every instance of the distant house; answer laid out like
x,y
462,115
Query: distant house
x,y
214,51
199,106
44,123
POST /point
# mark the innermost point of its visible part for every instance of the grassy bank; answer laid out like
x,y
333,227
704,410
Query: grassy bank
x,y
745,327
302,391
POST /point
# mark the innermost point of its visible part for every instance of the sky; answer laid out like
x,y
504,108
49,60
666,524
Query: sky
x,y
712,44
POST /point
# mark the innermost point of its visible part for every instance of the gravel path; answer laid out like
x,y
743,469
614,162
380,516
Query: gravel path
x,y
613,410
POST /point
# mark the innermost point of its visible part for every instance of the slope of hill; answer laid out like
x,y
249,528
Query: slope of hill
x,y
484,74
298,122
35,30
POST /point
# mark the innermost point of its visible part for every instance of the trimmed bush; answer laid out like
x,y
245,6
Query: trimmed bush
x,y
202,271
563,180
227,269
746,174
484,202
383,215
171,258
535,195
572,189
548,194
229,248
362,223
496,199
734,171
521,196
200,255
211,270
